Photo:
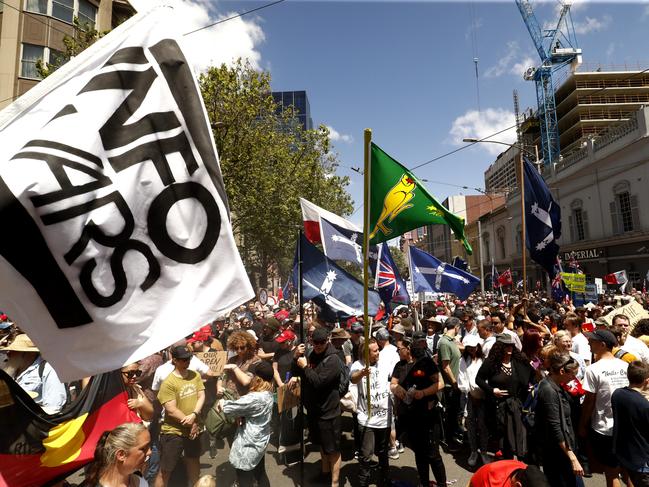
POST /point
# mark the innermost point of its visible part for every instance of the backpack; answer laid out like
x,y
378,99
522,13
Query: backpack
x,y
344,380
72,389
528,412
217,423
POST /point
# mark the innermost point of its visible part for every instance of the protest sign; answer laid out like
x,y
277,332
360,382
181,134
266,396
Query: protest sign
x,y
634,311
215,360
287,398
574,282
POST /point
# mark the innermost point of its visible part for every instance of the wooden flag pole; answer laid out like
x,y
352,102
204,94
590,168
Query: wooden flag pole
x,y
366,257
523,235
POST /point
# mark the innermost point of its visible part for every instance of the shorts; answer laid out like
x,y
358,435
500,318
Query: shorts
x,y
602,448
172,448
326,433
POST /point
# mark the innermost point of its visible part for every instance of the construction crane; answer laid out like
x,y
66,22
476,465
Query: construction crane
x,y
557,48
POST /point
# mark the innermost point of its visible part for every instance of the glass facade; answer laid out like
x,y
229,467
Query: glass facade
x,y
31,54
299,101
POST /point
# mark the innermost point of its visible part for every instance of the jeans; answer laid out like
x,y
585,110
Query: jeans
x,y
476,425
373,440
154,463
639,479
246,478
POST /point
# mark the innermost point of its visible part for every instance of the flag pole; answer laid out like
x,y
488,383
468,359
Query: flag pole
x,y
366,256
523,236
300,298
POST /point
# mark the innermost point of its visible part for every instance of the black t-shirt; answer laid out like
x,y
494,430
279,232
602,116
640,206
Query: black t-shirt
x,y
284,359
416,374
269,346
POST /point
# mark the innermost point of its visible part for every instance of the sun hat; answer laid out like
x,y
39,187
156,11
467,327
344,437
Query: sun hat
x,y
22,343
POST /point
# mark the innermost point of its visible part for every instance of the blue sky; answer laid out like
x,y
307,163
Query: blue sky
x,y
406,70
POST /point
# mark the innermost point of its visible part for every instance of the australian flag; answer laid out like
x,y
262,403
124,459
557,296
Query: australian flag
x,y
338,294
542,219
429,274
389,283
460,263
343,244
558,288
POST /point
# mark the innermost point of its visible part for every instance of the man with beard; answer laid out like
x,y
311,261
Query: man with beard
x,y
415,383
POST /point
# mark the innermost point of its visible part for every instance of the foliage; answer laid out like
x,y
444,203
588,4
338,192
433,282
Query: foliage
x,y
268,161
84,36
401,261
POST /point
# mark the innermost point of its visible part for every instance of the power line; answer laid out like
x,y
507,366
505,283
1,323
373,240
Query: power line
x,y
234,17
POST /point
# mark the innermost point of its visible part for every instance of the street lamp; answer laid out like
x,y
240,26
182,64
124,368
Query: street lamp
x,y
521,149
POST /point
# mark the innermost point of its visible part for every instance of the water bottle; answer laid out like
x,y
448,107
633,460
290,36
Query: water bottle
x,y
410,395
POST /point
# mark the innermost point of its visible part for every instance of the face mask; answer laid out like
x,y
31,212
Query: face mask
x,y
418,352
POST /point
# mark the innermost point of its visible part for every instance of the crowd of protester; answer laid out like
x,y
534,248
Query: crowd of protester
x,y
532,391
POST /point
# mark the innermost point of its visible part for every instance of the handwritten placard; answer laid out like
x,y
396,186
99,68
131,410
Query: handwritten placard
x,y
215,360
634,311
287,398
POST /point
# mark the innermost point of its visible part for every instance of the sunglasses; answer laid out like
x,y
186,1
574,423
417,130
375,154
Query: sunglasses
x,y
239,349
319,342
186,359
132,373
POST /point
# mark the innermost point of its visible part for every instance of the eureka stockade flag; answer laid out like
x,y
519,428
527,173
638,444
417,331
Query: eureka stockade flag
x,y
399,202
111,187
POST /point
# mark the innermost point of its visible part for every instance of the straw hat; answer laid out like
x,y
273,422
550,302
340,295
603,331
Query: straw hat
x,y
22,343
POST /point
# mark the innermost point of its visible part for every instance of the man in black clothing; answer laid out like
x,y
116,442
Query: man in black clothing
x,y
415,383
267,343
631,424
320,375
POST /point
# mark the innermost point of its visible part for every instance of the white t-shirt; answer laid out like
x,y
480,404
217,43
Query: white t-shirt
x,y
388,358
602,378
487,344
581,347
162,372
637,348
380,393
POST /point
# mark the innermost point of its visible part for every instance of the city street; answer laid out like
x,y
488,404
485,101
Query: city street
x,y
402,471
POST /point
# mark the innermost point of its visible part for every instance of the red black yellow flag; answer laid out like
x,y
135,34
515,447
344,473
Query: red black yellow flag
x,y
36,448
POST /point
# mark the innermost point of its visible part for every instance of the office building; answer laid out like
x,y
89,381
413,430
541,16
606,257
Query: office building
x,y
34,29
300,103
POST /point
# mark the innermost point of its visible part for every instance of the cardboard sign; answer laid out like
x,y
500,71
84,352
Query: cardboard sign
x,y
215,360
634,311
287,398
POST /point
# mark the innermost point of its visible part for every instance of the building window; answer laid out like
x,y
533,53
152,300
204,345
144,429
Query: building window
x,y
500,235
517,239
31,54
578,222
63,10
487,249
624,209
87,13
36,6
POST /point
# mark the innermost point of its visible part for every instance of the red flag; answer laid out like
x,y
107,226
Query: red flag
x,y
37,448
311,214
505,279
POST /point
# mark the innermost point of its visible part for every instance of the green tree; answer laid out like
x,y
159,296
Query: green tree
x,y
268,161
84,36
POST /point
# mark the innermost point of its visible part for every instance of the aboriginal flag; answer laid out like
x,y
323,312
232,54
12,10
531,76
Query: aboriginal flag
x,y
37,448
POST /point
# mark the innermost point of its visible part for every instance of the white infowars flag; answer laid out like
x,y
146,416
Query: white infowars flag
x,y
110,189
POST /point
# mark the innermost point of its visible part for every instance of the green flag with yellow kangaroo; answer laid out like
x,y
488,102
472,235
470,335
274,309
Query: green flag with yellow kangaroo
x,y
399,202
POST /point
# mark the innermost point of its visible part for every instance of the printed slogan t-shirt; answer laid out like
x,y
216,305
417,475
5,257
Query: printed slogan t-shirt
x,y
185,393
380,395
603,378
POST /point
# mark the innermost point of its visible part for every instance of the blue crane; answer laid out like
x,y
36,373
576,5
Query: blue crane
x,y
557,48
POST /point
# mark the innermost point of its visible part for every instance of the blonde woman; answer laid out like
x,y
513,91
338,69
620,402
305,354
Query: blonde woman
x,y
253,433
118,455
237,372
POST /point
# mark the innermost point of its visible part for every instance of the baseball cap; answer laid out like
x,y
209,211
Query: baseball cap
x,y
264,370
286,335
471,340
272,323
357,328
418,335
180,352
320,335
602,336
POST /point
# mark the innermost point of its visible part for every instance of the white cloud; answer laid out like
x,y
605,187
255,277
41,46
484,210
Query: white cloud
x,y
222,43
645,14
514,62
610,50
592,24
475,124
336,136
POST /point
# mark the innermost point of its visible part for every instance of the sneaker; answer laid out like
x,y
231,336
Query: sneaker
x,y
356,455
485,458
213,450
400,448
393,453
473,459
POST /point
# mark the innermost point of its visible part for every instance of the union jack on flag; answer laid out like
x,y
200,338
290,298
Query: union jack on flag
x,y
388,282
556,282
